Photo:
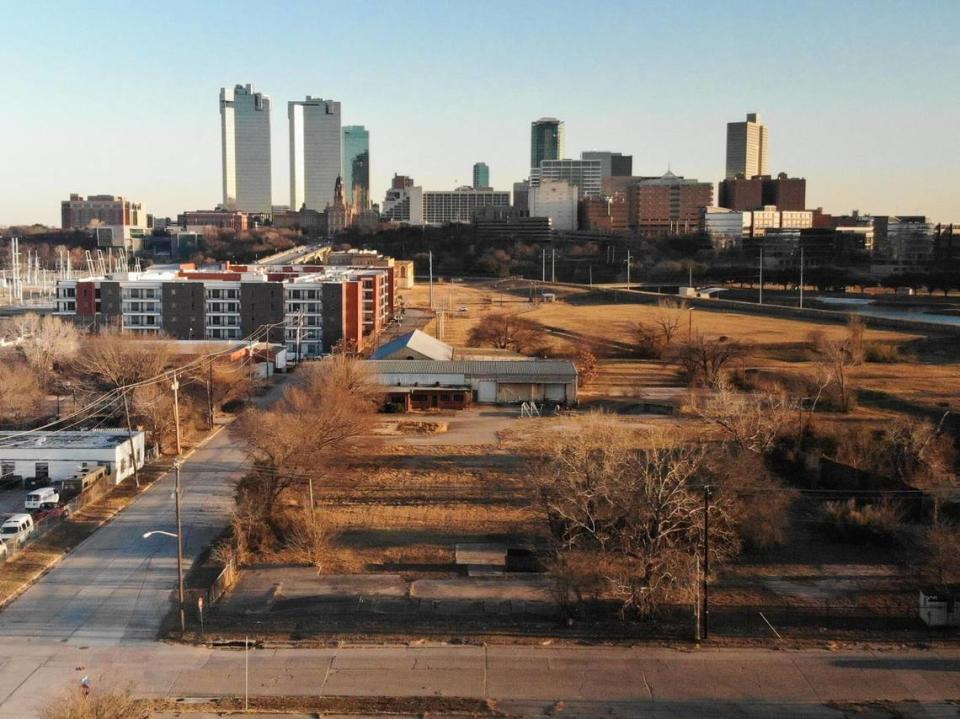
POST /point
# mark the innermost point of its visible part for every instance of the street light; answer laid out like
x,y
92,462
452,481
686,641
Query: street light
x,y
147,535
179,537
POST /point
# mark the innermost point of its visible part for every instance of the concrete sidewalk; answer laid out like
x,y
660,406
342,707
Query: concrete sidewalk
x,y
624,681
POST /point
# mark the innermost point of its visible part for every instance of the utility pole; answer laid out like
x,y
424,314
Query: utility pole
x,y
176,494
553,264
431,279
761,275
543,265
690,275
176,409
299,332
210,392
628,268
801,277
706,562
133,453
591,275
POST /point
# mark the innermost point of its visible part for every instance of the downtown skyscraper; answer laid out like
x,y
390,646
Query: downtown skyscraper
x,y
481,175
245,139
315,152
356,165
747,147
546,141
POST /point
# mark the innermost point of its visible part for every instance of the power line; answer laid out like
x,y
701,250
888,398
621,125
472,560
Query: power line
x,y
88,411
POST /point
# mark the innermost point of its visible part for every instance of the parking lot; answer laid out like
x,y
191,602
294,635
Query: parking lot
x,y
11,502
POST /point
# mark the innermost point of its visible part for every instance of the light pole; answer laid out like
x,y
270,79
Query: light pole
x,y
179,537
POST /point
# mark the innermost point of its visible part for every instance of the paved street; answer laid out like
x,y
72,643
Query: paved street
x,y
116,586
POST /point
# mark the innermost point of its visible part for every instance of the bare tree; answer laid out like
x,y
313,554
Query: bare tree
x,y
114,360
835,357
638,508
505,331
705,361
21,396
752,422
656,336
588,366
320,418
307,536
918,453
151,407
46,342
942,566
855,331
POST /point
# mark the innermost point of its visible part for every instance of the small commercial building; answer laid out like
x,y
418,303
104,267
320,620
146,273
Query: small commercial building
x,y
49,456
422,384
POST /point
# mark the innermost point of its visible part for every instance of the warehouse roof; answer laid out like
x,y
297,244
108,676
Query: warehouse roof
x,y
419,342
532,370
77,439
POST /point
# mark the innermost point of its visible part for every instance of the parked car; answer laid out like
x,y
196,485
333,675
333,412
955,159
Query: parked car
x,y
43,498
17,529
57,512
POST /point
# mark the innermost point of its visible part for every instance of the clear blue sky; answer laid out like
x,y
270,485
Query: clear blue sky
x,y
121,97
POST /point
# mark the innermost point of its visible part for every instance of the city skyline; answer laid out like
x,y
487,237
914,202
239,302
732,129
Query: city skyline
x,y
667,109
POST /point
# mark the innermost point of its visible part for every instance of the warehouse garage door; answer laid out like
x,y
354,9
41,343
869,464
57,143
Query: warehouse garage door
x,y
519,392
487,391
556,392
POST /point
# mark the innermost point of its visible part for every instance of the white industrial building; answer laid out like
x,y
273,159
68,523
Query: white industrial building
x,y
64,454
489,381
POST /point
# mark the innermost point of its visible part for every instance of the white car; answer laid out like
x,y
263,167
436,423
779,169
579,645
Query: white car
x,y
17,529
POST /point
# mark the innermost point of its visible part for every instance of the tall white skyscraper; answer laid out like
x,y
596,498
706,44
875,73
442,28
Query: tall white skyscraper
x,y
315,154
747,152
245,139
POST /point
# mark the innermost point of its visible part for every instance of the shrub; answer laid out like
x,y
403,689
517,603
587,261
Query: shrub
x,y
853,523
879,352
98,705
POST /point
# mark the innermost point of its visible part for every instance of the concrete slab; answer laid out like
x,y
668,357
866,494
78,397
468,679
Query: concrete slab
x,y
481,554
530,589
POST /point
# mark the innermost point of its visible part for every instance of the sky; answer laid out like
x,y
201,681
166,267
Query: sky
x,y
860,97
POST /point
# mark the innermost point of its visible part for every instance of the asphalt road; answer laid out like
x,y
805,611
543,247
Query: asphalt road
x,y
116,586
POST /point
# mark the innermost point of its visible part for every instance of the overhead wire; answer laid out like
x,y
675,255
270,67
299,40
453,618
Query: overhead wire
x,y
90,410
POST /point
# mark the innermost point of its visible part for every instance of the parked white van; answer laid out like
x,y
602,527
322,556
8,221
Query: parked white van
x,y
16,529
43,498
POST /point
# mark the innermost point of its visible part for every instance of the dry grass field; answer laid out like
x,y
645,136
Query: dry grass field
x,y
404,509
926,379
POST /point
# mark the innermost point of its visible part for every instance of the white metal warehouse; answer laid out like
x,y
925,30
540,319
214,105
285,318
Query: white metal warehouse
x,y
523,380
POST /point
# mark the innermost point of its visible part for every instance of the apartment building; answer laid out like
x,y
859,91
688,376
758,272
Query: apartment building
x,y
310,308
441,207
